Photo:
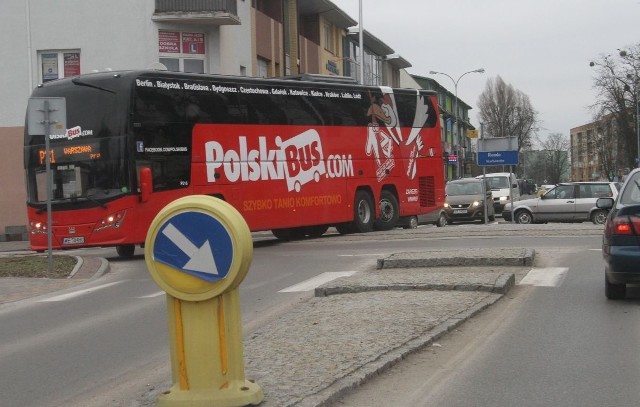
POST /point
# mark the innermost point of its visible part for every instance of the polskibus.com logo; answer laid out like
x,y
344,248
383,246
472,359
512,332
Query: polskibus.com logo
x,y
298,160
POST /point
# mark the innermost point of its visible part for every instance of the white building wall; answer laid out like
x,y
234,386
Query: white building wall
x,y
114,34
407,81
235,44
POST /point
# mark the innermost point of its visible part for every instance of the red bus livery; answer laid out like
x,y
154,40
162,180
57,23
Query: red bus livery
x,y
293,157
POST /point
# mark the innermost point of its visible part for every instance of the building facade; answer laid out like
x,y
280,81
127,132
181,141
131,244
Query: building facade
x,y
595,151
266,38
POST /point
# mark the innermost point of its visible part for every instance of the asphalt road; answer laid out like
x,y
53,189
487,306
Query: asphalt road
x,y
105,343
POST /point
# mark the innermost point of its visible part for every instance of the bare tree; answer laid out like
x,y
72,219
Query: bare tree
x,y
507,112
618,89
554,157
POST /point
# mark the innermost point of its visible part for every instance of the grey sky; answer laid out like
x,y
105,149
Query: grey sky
x,y
541,47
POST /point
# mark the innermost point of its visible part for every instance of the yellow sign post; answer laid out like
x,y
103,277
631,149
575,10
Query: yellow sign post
x,y
198,249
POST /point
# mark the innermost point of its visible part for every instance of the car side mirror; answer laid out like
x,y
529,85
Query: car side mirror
x,y
604,203
146,183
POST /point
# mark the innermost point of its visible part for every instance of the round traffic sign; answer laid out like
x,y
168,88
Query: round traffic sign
x,y
198,247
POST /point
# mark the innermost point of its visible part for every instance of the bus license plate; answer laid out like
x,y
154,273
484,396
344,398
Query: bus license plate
x,y
73,240
460,211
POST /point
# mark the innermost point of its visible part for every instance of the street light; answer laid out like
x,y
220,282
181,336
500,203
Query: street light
x,y
455,113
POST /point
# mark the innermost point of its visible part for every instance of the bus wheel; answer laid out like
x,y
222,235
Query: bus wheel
x,y
316,231
363,213
345,228
125,250
389,212
282,234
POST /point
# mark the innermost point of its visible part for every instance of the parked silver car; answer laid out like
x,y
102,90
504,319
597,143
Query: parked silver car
x,y
567,202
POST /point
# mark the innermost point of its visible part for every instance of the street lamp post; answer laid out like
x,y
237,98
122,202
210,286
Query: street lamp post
x,y
455,112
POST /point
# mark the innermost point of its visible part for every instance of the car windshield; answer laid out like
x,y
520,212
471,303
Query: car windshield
x,y
467,188
498,182
631,193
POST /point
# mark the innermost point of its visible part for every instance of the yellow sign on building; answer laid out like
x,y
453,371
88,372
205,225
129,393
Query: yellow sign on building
x,y
472,133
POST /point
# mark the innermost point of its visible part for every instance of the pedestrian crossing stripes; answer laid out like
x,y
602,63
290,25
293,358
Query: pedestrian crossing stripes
x,y
545,277
317,281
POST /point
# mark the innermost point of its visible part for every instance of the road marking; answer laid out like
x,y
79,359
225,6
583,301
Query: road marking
x,y
79,293
159,293
317,281
545,277
359,255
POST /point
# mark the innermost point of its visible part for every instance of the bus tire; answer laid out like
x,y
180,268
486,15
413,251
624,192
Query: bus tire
x,y
282,234
345,228
125,250
389,211
316,231
364,213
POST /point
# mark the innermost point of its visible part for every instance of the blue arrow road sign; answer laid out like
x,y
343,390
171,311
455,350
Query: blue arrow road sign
x,y
195,243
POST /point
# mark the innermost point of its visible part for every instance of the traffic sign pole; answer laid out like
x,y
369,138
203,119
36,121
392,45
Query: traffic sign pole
x,y
198,249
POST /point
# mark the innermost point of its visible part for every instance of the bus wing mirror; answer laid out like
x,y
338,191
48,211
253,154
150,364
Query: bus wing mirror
x,y
146,183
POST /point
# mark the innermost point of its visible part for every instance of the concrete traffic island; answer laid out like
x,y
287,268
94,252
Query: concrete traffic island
x,y
358,326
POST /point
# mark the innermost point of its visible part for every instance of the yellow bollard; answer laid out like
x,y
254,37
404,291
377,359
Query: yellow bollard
x,y
199,249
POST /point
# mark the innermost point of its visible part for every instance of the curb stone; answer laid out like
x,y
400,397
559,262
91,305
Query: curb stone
x,y
459,258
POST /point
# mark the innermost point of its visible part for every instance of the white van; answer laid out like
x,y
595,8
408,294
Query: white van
x,y
500,183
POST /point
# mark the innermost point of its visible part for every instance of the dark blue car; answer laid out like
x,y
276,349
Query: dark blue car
x,y
621,239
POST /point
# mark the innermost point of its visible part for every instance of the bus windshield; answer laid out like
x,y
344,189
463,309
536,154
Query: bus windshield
x,y
87,162
89,179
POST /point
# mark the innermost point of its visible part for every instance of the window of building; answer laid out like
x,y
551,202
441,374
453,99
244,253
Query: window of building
x,y
56,64
328,38
182,51
263,68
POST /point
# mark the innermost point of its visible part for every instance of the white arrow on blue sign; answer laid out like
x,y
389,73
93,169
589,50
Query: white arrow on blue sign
x,y
195,243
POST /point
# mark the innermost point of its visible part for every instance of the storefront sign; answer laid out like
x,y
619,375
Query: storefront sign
x,y
192,43
169,42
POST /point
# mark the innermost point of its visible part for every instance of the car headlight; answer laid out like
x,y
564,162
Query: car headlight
x,y
446,205
475,204
504,198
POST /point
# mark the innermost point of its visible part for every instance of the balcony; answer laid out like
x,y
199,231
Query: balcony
x,y
207,12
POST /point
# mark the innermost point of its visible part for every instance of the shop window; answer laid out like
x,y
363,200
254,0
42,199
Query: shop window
x,y
182,51
57,64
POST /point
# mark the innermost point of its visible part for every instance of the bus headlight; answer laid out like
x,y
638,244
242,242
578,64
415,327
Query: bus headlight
x,y
38,227
113,220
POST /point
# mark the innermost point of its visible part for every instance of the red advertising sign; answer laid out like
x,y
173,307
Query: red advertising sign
x,y
71,64
169,42
192,43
